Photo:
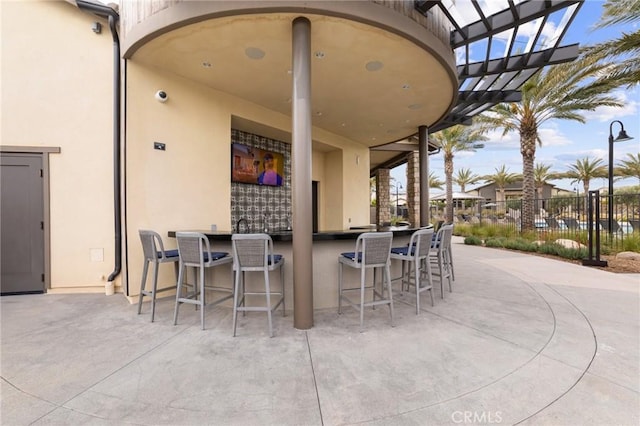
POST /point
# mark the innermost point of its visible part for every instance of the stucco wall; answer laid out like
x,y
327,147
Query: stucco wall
x,y
57,92
188,185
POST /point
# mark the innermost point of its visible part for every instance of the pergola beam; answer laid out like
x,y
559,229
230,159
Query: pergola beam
x,y
522,62
506,19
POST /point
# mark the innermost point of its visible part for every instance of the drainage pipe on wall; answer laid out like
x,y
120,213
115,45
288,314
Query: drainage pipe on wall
x,y
110,14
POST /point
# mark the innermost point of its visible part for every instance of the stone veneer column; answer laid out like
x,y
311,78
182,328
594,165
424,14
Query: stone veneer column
x,y
413,187
383,214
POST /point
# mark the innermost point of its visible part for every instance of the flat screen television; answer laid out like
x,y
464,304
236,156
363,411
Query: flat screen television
x,y
256,166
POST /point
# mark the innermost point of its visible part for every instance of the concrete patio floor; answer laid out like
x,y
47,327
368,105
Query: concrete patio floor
x,y
521,340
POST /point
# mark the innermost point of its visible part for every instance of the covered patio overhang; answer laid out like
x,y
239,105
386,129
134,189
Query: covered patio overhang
x,y
373,72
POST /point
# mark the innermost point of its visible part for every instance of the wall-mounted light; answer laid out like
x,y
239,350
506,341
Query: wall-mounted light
x,y
96,27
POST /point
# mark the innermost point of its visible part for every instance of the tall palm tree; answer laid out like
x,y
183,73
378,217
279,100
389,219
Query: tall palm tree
x,y
501,178
586,170
451,140
465,177
434,181
630,167
542,176
559,92
372,191
623,53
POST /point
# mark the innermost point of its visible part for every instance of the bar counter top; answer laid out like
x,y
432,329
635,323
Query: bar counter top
x,y
350,234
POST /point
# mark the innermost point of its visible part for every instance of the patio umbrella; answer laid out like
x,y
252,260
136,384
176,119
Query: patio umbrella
x,y
457,196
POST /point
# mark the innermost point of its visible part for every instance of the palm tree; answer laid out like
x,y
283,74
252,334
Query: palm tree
x,y
559,92
623,53
501,178
630,167
542,176
372,191
451,140
434,181
585,170
465,177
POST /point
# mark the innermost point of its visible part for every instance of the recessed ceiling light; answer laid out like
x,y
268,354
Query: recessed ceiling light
x,y
254,52
319,54
374,65
319,113
343,124
373,139
206,64
289,72
415,106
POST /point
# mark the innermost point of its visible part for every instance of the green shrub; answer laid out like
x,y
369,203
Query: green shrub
x,y
495,242
498,235
549,248
631,242
575,254
605,248
492,231
561,251
472,240
520,244
462,229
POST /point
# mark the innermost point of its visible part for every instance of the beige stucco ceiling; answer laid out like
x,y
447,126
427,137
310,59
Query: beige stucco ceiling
x,y
411,88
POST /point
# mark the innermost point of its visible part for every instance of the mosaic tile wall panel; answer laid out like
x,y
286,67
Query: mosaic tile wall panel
x,y
262,206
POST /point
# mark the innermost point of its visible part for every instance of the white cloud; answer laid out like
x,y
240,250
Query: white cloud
x,y
603,114
496,142
621,149
464,154
563,160
551,135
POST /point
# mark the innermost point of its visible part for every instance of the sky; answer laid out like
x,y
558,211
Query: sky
x,y
563,142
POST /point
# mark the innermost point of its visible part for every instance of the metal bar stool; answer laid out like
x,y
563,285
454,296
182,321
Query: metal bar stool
x,y
373,251
155,253
254,253
441,254
415,256
195,251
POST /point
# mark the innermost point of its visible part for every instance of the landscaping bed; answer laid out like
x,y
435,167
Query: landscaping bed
x,y
547,245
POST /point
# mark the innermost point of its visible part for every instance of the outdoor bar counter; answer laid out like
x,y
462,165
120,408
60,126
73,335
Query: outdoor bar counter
x,y
327,246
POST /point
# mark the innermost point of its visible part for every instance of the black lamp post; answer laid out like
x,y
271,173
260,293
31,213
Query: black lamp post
x,y
398,187
622,136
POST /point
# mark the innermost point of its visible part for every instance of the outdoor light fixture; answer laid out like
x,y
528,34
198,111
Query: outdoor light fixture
x,y
398,187
622,136
161,96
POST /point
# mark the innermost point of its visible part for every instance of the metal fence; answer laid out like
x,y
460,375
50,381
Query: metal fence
x,y
569,218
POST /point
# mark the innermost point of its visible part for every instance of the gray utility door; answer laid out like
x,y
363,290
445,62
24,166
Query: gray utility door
x,y
21,223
